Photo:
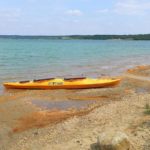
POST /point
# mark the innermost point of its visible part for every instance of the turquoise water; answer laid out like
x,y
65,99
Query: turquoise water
x,y
22,59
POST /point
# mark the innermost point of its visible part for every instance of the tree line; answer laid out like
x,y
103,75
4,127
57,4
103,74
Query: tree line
x,y
85,37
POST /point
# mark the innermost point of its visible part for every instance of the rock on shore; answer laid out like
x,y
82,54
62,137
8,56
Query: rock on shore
x,y
113,141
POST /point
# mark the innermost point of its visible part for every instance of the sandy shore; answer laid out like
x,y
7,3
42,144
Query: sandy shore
x,y
26,126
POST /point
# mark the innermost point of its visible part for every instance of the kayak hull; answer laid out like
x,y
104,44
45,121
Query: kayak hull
x,y
80,84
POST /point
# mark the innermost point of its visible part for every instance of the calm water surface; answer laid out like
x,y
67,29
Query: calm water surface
x,y
22,59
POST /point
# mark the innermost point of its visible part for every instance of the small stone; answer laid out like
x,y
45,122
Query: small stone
x,y
135,134
36,133
77,141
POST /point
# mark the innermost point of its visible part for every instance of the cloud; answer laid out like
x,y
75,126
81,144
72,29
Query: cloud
x,y
102,11
131,7
10,14
76,21
74,12
32,1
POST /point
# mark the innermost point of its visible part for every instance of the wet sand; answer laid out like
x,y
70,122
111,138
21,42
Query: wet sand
x,y
27,123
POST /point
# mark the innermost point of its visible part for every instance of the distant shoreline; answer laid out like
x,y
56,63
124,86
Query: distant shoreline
x,y
81,37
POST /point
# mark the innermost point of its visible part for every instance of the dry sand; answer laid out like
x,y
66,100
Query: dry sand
x,y
24,126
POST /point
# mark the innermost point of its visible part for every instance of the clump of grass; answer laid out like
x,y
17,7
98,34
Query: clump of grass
x,y
147,109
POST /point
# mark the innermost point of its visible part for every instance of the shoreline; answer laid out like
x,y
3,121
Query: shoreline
x,y
102,71
26,126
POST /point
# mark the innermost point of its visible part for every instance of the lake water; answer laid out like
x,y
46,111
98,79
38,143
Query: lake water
x,y
22,59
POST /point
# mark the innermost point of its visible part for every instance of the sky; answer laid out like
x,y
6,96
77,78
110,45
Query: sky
x,y
74,17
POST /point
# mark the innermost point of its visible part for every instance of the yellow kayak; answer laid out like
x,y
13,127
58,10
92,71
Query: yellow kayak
x,y
68,83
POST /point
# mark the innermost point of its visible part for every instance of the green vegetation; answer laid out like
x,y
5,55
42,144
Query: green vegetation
x,y
85,37
147,109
